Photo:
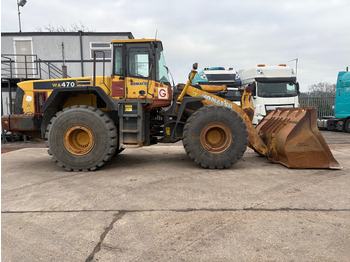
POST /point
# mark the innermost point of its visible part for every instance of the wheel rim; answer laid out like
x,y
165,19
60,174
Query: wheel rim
x,y
216,138
79,140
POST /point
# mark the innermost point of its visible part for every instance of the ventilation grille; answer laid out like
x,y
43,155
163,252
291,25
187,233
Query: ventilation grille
x,y
39,100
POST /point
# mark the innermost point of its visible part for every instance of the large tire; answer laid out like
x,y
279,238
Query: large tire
x,y
347,125
81,138
215,137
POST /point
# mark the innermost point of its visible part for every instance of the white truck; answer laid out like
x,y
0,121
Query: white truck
x,y
273,86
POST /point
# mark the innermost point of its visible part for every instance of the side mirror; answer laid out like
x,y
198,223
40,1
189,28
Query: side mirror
x,y
253,87
195,66
298,88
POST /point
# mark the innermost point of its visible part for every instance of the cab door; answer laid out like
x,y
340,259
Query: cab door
x,y
139,71
118,74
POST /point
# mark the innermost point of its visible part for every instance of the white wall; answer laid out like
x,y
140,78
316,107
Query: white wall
x,y
48,47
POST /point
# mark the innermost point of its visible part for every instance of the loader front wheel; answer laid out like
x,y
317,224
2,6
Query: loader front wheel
x,y
215,137
81,138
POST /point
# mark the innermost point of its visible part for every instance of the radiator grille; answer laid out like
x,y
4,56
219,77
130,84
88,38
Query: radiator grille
x,y
39,100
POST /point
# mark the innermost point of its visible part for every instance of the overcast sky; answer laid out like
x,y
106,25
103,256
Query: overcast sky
x,y
229,33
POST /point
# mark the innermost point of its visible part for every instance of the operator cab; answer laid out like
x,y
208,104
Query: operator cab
x,y
139,71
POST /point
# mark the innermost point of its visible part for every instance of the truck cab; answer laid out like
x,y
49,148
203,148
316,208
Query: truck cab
x,y
273,87
220,76
341,119
342,97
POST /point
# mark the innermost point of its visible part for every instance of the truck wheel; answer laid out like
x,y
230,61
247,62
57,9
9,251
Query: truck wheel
x,y
215,137
81,138
347,125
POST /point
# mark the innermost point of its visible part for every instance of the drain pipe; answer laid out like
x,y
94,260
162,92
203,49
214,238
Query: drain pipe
x,y
64,67
81,52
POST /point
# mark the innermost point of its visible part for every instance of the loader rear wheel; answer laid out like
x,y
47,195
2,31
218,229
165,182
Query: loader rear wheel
x,y
215,137
81,138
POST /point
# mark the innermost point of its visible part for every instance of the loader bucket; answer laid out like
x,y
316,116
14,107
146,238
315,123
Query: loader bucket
x,y
293,139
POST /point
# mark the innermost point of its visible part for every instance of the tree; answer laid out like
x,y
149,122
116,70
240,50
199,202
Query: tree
x,y
73,28
322,89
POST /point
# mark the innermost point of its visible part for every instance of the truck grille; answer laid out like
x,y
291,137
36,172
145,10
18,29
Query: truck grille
x,y
221,77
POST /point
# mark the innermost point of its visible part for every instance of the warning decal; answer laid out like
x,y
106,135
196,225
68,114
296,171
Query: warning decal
x,y
162,93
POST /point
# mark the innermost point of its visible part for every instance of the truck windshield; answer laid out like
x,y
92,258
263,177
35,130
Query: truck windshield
x,y
280,89
161,70
233,94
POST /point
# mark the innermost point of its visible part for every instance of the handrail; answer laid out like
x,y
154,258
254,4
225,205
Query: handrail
x,y
27,67
18,66
94,69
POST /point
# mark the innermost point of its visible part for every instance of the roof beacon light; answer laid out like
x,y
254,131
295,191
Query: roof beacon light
x,y
261,65
282,65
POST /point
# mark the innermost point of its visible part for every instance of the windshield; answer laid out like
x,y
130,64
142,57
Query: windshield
x,y
161,70
233,95
281,89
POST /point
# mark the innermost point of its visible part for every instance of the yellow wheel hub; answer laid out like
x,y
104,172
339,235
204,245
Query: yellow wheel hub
x,y
79,140
216,138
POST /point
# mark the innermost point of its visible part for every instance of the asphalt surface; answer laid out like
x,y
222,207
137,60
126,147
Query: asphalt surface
x,y
155,204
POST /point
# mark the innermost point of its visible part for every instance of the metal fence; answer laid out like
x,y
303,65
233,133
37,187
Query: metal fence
x,y
323,103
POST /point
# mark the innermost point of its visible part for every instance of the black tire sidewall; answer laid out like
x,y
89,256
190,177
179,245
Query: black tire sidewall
x,y
347,125
95,121
215,114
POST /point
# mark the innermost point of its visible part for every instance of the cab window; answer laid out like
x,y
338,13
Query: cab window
x,y
138,62
118,64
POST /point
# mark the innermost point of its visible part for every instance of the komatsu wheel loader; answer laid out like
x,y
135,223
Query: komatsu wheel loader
x,y
87,120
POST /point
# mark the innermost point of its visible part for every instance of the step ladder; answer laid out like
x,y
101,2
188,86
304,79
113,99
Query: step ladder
x,y
131,123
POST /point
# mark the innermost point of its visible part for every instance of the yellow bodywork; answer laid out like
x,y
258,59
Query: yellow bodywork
x,y
47,86
151,89
132,87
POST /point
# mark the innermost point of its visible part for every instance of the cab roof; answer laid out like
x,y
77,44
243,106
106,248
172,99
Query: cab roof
x,y
135,40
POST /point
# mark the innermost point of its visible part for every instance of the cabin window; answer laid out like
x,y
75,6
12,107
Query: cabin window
x,y
99,48
138,62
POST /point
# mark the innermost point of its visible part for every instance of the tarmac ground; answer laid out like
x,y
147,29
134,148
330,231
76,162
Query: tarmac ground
x,y
155,204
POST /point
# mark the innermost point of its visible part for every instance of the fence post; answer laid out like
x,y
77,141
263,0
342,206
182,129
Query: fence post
x,y
25,65
49,69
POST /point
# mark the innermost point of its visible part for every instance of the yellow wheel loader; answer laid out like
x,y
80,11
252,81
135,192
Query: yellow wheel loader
x,y
87,120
